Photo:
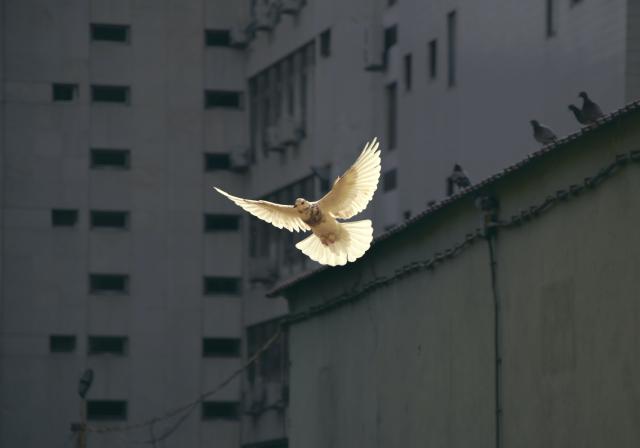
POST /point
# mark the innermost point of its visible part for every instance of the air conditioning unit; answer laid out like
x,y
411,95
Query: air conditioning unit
x,y
240,159
266,15
240,36
292,7
273,141
374,57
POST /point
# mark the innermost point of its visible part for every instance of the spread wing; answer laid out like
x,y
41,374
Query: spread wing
x,y
353,190
281,216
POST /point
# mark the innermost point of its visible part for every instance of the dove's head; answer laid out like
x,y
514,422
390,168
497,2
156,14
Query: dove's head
x,y
302,205
583,95
534,123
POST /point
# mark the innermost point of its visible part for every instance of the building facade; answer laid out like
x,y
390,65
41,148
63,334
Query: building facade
x,y
119,116
509,324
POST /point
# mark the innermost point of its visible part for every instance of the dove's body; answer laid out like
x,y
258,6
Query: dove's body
x,y
332,242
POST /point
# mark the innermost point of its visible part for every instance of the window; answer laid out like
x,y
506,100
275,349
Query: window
x,y
389,180
109,219
217,161
325,44
62,343
433,59
110,33
64,217
101,345
224,410
217,38
106,410
550,18
407,72
221,285
451,48
64,92
110,94
222,98
221,347
392,115
390,39
220,223
108,283
110,158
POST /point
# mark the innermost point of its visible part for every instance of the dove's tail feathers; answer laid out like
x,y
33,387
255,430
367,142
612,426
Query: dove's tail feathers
x,y
352,241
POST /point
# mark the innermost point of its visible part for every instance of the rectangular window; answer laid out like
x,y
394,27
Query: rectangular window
x,y
221,347
551,18
110,158
451,48
392,106
108,283
106,410
109,33
109,219
390,37
101,345
217,161
433,59
407,72
221,285
325,44
221,223
217,38
62,343
222,98
220,410
64,92
390,180
110,94
64,217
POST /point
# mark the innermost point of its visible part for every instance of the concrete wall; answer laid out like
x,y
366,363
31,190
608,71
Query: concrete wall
x,y
413,364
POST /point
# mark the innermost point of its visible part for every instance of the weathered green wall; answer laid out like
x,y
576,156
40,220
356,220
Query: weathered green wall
x,y
412,363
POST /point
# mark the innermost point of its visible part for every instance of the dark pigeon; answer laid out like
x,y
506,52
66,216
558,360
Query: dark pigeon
x,y
542,133
591,112
458,178
577,112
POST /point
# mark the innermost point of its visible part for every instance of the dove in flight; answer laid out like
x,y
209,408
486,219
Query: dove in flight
x,y
332,242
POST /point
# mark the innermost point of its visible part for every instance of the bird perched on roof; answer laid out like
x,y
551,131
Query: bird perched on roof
x,y
591,112
332,242
542,133
577,112
458,178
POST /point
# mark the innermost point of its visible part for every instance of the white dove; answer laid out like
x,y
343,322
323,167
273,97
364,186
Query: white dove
x,y
333,243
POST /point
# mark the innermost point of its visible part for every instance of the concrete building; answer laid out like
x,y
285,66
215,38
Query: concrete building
x,y
118,116
521,332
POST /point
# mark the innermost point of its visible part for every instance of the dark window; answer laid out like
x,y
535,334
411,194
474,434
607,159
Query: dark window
x,y
110,94
221,347
109,283
110,33
389,180
64,92
390,39
62,343
64,217
109,220
110,158
106,410
217,38
550,18
217,161
433,59
325,44
392,118
407,71
451,48
218,223
222,285
221,98
226,410
115,345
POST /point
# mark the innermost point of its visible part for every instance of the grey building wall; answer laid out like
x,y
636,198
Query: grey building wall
x,y
412,362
